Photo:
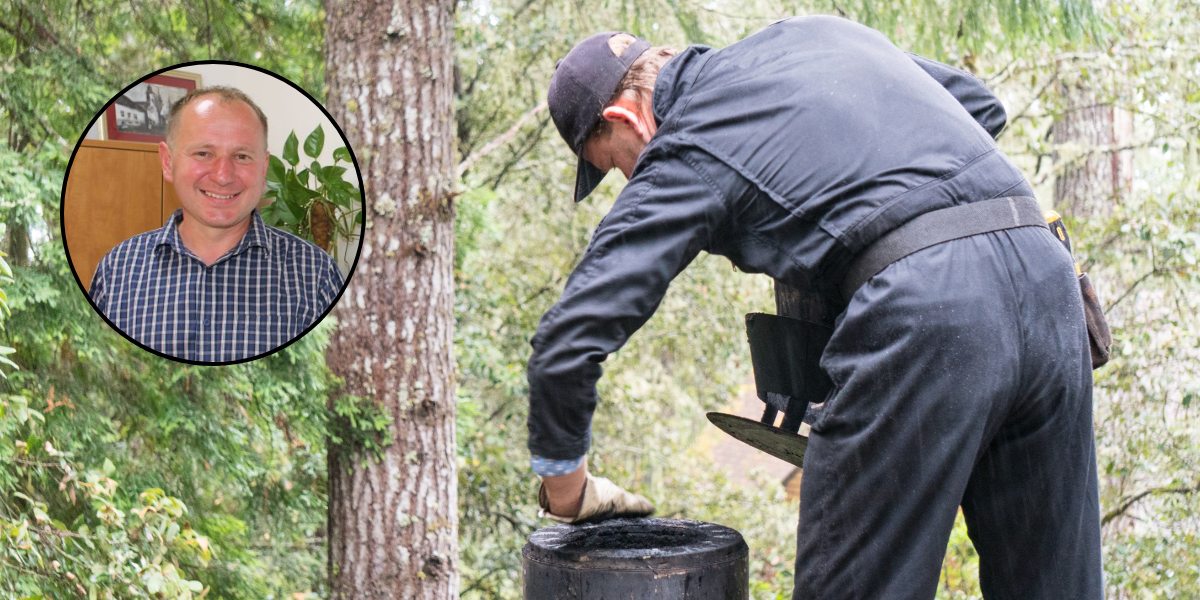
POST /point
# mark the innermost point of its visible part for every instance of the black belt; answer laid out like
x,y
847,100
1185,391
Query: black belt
x,y
939,226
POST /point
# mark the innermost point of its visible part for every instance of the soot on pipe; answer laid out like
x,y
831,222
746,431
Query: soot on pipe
x,y
651,559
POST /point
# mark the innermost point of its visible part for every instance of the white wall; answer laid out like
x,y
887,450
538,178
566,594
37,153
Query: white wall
x,y
286,108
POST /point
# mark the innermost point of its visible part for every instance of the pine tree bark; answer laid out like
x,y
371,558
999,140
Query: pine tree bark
x,y
393,525
1098,173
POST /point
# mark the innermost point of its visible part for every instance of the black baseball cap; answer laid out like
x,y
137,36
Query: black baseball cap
x,y
582,85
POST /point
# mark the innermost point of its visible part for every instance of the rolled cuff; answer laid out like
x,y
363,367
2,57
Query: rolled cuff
x,y
548,467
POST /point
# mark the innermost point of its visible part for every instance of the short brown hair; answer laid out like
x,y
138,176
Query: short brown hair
x,y
639,79
225,93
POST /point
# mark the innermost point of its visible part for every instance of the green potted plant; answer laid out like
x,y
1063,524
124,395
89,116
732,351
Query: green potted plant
x,y
312,201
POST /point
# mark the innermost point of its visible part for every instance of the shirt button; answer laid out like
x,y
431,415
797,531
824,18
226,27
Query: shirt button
x,y
206,321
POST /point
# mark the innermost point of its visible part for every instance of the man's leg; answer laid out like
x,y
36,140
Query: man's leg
x,y
1031,505
927,363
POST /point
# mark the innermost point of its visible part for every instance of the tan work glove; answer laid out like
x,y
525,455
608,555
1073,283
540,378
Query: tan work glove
x,y
602,499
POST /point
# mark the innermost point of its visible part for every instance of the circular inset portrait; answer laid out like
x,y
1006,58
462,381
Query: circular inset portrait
x,y
213,213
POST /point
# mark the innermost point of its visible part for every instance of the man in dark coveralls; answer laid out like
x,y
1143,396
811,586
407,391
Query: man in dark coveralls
x,y
961,372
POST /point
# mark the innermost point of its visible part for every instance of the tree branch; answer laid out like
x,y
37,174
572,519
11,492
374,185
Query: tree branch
x,y
61,533
475,584
1037,96
30,463
24,570
1131,288
1062,165
499,141
1103,245
507,517
1129,502
1000,76
531,141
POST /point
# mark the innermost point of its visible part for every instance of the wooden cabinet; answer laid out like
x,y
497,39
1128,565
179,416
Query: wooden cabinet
x,y
115,190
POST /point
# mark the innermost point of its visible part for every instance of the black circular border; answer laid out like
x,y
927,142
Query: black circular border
x,y
362,234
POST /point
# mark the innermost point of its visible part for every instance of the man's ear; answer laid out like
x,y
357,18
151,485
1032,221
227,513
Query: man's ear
x,y
626,110
164,155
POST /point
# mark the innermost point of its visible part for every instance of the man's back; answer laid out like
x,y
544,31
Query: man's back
x,y
835,124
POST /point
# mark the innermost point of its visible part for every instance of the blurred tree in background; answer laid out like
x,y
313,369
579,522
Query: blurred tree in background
x,y
239,452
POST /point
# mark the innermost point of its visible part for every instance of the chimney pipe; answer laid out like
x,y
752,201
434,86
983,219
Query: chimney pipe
x,y
642,559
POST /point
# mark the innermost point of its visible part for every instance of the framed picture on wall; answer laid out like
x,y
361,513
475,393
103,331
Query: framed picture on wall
x,y
140,115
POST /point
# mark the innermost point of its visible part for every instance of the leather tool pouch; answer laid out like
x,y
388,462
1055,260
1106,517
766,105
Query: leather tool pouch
x,y
1099,336
786,353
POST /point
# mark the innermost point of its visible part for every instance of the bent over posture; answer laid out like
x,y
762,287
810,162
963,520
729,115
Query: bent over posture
x,y
961,372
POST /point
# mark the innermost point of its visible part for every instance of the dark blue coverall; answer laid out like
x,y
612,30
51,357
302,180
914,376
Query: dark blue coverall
x,y
961,373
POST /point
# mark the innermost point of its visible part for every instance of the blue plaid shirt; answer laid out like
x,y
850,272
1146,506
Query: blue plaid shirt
x,y
260,295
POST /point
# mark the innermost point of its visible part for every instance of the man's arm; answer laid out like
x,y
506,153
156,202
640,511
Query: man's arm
x,y
661,221
329,284
969,91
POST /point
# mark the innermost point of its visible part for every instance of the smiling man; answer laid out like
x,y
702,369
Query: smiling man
x,y
215,284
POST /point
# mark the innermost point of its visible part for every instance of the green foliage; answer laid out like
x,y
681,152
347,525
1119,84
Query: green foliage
x,y
65,59
360,423
5,278
960,568
126,474
241,447
942,28
105,552
314,202
519,236
95,547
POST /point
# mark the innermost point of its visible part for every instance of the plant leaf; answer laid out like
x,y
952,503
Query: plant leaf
x,y
288,214
269,213
331,173
349,189
339,198
289,149
315,142
276,170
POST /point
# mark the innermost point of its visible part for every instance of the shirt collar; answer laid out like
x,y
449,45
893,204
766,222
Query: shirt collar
x,y
675,79
256,236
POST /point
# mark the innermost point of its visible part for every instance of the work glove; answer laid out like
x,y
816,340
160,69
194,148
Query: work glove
x,y
602,499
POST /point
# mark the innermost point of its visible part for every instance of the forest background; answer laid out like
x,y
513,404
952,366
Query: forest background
x,y
123,475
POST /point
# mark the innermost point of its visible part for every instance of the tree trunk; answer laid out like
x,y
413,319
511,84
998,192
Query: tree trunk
x,y
1097,174
18,244
1090,187
393,524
